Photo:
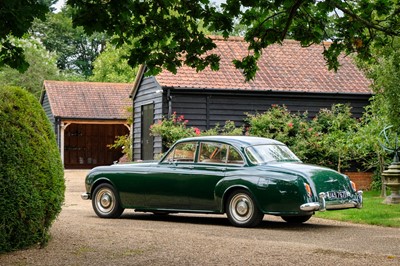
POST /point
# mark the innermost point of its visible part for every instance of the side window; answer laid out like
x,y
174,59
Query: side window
x,y
183,152
211,152
234,157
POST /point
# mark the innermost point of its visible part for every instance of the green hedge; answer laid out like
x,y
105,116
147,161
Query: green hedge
x,y
31,173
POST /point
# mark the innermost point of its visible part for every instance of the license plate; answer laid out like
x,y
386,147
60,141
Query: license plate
x,y
336,194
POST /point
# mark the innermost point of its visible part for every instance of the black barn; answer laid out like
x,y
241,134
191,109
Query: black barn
x,y
288,75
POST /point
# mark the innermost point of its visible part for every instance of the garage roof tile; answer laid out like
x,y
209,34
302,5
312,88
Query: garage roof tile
x,y
88,100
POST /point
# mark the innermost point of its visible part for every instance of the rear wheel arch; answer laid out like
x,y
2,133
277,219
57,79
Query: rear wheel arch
x,y
228,192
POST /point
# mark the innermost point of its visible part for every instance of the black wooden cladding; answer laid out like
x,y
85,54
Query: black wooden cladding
x,y
206,109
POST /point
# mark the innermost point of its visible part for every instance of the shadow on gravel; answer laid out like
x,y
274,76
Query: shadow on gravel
x,y
223,221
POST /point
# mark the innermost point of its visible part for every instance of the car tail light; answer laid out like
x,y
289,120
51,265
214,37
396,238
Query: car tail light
x,y
353,186
308,189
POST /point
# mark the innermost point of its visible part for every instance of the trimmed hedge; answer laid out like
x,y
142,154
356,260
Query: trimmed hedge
x,y
31,172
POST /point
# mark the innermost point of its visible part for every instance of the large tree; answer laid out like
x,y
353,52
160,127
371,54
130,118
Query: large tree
x,y
17,17
112,66
385,71
167,35
42,66
75,49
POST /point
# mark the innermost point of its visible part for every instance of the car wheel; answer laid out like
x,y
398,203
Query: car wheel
x,y
296,219
105,202
242,210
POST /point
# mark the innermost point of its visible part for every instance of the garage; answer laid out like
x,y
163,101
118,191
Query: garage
x,y
87,117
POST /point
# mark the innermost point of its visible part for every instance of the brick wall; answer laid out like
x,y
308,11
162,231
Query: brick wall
x,y
363,180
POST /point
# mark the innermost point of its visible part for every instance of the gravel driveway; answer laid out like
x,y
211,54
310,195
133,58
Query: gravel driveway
x,y
80,238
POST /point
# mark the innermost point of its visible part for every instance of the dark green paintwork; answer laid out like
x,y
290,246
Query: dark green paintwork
x,y
278,188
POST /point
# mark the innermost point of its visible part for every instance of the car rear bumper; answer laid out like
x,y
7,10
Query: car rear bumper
x,y
322,205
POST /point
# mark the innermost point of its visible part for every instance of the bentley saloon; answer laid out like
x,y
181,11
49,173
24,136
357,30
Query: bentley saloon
x,y
244,177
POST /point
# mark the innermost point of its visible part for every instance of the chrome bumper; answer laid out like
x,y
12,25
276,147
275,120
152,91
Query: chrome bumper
x,y
85,196
322,206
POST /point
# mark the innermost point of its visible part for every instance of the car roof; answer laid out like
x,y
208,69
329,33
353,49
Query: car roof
x,y
236,140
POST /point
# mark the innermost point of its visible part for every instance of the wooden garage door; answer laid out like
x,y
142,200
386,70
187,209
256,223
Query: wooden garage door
x,y
86,146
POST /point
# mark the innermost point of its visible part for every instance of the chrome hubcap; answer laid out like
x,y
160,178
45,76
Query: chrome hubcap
x,y
241,208
105,201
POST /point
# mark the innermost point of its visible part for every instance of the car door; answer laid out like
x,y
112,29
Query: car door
x,y
166,185
214,161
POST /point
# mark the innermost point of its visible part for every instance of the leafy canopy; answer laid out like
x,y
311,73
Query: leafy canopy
x,y
17,17
42,66
167,32
76,50
112,66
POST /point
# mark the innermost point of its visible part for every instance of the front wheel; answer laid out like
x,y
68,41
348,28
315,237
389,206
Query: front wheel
x,y
296,219
242,210
105,203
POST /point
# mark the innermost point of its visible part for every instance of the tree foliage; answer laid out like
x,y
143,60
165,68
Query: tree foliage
x,y
42,66
75,49
167,34
112,66
386,74
17,17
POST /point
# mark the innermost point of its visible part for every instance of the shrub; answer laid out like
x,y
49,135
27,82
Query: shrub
x,y
173,129
229,129
336,128
31,173
325,140
276,123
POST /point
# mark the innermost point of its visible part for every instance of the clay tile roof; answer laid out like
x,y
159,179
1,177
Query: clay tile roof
x,y
88,100
287,67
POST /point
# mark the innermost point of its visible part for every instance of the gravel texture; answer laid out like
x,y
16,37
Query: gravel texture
x,y
79,237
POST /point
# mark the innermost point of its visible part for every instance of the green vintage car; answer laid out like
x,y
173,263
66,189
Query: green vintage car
x,y
244,177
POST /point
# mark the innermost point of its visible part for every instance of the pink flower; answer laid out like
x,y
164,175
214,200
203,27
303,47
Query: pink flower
x,y
310,129
290,124
197,131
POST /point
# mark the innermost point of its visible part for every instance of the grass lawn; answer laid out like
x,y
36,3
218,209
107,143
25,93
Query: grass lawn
x,y
373,212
